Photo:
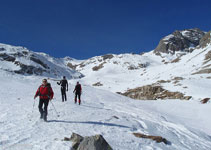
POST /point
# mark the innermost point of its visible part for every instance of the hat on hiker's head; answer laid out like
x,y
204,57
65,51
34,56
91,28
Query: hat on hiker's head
x,y
64,77
77,82
44,80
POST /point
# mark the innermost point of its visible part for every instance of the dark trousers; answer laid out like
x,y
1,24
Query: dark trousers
x,y
79,97
63,91
43,112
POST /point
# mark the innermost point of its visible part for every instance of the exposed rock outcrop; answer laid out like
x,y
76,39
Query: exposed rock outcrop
x,y
203,71
72,66
206,39
96,68
207,57
205,100
153,92
108,56
97,84
183,40
96,142
158,139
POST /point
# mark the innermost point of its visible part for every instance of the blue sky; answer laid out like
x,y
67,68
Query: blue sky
x,y
85,28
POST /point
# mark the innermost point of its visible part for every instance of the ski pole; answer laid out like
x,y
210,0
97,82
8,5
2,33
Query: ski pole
x,y
32,110
33,106
54,109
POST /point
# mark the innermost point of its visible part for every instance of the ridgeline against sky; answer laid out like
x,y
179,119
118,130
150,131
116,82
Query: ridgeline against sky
x,y
86,28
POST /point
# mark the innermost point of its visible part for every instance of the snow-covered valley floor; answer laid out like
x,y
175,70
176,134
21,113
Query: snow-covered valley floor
x,y
185,124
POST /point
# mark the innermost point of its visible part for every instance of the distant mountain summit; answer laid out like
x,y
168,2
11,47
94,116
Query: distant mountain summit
x,y
20,60
183,40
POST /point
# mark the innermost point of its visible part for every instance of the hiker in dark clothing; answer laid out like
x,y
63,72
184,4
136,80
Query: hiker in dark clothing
x,y
64,88
45,93
77,92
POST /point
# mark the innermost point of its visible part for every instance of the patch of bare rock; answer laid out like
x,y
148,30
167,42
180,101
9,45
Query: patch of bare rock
x,y
153,92
158,139
96,142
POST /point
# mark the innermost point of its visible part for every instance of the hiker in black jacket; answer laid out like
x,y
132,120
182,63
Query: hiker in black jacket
x,y
64,88
77,92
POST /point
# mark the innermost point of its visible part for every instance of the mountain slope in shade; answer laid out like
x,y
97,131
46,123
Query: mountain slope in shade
x,y
23,61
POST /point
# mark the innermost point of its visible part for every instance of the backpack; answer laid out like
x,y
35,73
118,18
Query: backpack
x,y
48,85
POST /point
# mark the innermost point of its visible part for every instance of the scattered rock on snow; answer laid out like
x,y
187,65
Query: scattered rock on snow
x,y
205,100
76,137
153,92
72,66
107,56
96,142
206,39
158,139
115,117
163,81
178,78
96,68
203,71
97,84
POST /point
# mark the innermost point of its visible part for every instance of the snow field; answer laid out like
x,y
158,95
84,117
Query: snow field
x,y
102,112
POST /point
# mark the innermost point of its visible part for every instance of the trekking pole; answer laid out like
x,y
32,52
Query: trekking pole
x,y
55,109
32,110
33,106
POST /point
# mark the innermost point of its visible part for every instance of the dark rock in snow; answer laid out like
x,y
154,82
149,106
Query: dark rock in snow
x,y
182,40
96,142
205,100
158,139
153,92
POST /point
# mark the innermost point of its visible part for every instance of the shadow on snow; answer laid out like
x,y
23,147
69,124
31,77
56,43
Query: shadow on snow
x,y
90,122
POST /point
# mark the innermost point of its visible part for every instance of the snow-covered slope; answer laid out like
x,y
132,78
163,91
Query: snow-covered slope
x,y
23,61
186,125
118,73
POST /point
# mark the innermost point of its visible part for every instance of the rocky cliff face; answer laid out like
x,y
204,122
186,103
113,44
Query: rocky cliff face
x,y
184,40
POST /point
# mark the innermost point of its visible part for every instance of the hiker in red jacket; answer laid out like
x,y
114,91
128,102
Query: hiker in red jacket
x,y
77,92
45,93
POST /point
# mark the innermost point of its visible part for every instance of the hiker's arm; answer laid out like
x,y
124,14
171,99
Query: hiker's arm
x,y
67,85
59,82
52,94
37,93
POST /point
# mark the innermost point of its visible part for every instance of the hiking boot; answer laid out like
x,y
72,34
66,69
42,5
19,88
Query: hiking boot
x,y
45,117
41,116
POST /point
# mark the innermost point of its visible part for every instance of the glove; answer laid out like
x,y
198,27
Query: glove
x,y
35,97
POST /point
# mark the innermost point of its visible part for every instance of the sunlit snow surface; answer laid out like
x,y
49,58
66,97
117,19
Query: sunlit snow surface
x,y
185,124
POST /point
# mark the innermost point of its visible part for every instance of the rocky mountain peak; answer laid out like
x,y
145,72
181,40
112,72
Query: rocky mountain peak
x,y
180,40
